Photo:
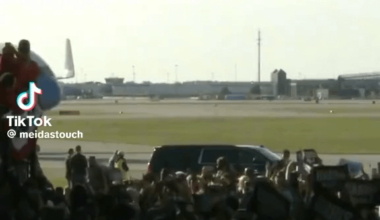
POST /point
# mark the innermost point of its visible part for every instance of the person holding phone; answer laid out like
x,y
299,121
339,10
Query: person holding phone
x,y
8,61
8,66
16,71
19,63
28,69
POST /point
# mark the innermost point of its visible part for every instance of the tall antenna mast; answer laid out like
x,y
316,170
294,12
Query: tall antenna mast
x,y
134,74
176,73
258,58
235,72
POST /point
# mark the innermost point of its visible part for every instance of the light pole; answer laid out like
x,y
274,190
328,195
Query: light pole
x,y
235,73
176,73
133,72
259,57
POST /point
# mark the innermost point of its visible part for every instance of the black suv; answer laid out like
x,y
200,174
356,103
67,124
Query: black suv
x,y
194,157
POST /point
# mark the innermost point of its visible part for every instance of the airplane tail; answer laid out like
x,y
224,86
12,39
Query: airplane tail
x,y
69,61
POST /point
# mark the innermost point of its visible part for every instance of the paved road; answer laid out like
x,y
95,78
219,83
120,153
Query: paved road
x,y
139,155
194,101
143,158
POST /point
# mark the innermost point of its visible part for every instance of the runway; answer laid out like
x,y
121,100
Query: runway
x,y
186,108
138,101
138,156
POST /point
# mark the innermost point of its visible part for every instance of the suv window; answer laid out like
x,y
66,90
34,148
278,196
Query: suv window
x,y
211,155
174,158
247,156
269,154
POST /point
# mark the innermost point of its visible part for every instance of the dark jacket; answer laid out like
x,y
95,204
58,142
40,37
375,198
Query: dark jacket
x,y
68,168
78,164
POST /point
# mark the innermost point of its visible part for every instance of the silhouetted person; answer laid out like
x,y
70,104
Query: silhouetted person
x,y
113,159
78,167
284,160
96,177
68,169
223,167
225,173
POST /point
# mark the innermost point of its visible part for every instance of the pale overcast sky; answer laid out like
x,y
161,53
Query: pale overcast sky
x,y
306,38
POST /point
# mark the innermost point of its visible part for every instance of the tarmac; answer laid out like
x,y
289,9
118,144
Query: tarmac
x,y
54,152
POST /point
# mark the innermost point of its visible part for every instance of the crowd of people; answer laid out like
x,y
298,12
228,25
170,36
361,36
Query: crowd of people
x,y
90,173
288,190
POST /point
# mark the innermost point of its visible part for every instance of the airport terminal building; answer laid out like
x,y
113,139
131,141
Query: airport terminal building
x,y
366,85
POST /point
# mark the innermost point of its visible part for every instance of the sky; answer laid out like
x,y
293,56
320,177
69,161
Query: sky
x,y
205,38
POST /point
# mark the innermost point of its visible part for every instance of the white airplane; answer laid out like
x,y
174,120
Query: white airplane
x,y
47,80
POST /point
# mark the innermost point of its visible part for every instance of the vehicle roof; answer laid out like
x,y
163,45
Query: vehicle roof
x,y
209,145
197,147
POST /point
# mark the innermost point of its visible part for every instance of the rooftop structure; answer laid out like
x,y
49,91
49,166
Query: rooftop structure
x,y
360,76
114,80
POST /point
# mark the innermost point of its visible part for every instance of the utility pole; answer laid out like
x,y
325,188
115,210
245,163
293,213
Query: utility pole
x,y
176,73
134,74
235,72
258,58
